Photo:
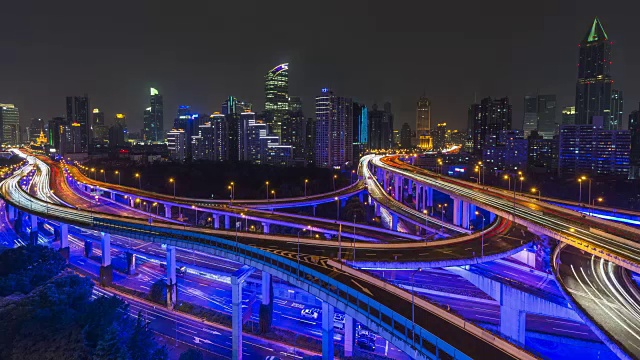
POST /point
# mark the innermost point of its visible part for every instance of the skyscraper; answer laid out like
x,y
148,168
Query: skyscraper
x,y
36,126
360,129
547,116
276,90
153,130
10,124
334,137
405,136
490,117
234,106
617,108
293,128
380,128
530,121
423,123
569,115
99,130
634,157
78,113
439,136
593,88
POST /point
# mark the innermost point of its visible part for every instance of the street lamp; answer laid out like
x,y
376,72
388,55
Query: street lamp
x,y
337,208
267,190
352,172
233,191
478,176
194,207
442,211
139,180
426,222
104,176
482,250
302,230
273,192
157,208
481,165
534,190
413,306
507,177
118,173
334,182
94,173
305,187
521,180
593,204
173,181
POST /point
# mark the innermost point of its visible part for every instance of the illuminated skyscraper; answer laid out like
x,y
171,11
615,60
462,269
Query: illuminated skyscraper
x,y
617,108
277,96
489,118
530,122
10,124
334,130
153,130
593,88
569,115
78,113
423,123
634,157
547,125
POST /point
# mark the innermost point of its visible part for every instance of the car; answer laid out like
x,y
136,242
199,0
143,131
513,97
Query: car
x,y
364,333
366,343
272,358
311,313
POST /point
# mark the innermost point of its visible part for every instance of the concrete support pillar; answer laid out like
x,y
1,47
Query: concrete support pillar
x,y
172,286
266,227
327,331
314,209
418,196
64,240
266,307
361,196
88,248
131,202
33,231
106,271
492,217
113,196
343,202
465,214
410,188
385,180
397,184
513,323
227,222
167,211
10,212
377,209
216,221
131,263
472,212
237,279
429,196
457,212
349,335
394,222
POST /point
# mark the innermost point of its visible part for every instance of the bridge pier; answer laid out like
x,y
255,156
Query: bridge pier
x,y
33,231
10,212
457,213
167,211
472,212
113,196
172,285
376,208
349,332
465,214
394,222
216,221
227,222
418,196
314,209
88,248
513,323
397,184
237,280
64,240
327,331
266,307
106,271
266,227
131,263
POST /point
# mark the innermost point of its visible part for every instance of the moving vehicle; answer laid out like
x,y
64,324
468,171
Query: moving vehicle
x,y
311,313
366,343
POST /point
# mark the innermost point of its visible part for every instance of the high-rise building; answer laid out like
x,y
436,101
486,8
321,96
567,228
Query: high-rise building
x,y
405,136
293,128
617,108
277,96
423,123
176,143
10,124
360,129
117,136
334,137
439,136
490,117
121,119
530,121
509,153
310,141
54,134
569,115
247,119
593,88
380,127
220,137
153,127
78,113
547,124
234,106
593,150
542,154
36,126
634,156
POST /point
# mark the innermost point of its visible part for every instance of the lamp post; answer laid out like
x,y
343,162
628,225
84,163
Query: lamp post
x,y
354,237
337,208
593,204
139,180
426,222
413,307
118,173
157,208
352,173
302,230
196,209
334,182
481,165
93,170
534,190
521,180
442,210
104,175
305,187
273,192
173,181
582,178
482,250
232,187
507,177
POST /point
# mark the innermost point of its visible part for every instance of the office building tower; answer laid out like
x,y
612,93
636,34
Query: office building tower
x,y
310,141
634,155
177,144
593,88
334,137
617,108
490,117
509,153
590,149
569,115
439,137
293,128
117,135
234,106
542,154
360,130
99,129
121,119
78,113
153,122
54,133
10,124
277,96
36,127
405,136
247,119
547,124
423,123
530,121
220,137
380,128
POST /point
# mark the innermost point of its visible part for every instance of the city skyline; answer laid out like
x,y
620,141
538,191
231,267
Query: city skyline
x,y
543,57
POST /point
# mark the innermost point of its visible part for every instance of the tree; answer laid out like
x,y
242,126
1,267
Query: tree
x,y
353,207
192,354
158,292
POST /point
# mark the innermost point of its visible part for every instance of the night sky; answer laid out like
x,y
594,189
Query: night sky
x,y
199,52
